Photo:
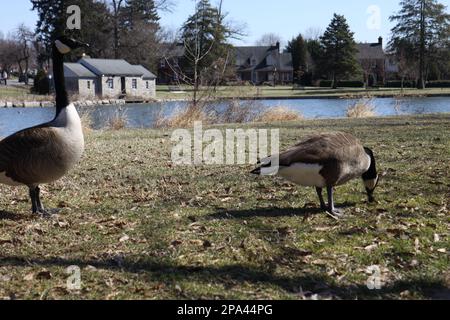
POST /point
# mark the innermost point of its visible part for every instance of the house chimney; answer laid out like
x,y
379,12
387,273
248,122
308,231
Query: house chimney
x,y
380,41
278,46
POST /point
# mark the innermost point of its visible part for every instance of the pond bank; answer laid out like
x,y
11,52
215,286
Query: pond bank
x,y
293,95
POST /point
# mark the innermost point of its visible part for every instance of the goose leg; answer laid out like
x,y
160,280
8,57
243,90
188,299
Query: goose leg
x,y
38,201
37,207
331,209
33,197
323,206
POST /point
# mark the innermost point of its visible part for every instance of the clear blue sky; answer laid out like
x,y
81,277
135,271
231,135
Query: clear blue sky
x,y
284,17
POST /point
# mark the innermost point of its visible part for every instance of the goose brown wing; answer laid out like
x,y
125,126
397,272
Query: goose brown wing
x,y
321,148
21,154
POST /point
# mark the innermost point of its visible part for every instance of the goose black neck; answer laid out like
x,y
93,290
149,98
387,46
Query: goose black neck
x,y
62,98
372,172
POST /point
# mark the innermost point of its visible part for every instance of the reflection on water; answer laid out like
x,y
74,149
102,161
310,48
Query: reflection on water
x,y
144,115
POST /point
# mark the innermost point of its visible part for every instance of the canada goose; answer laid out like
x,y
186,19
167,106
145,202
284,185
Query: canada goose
x,y
45,153
325,161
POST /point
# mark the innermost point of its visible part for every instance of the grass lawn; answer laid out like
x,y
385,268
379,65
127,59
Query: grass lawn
x,y
139,227
164,93
12,92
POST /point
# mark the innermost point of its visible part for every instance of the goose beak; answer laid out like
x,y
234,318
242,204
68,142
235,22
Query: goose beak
x,y
83,45
257,171
370,196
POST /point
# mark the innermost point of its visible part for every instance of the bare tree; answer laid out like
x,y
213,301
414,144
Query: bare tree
x,y
24,38
367,66
269,39
313,33
407,68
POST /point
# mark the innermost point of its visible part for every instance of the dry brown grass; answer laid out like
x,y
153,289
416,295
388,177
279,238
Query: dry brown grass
x,y
279,114
118,121
86,122
361,109
185,118
233,111
240,112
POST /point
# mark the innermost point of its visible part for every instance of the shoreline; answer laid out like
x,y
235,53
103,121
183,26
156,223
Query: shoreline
x,y
106,102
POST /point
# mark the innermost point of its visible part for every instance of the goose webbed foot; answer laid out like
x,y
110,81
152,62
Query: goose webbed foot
x,y
331,210
43,213
37,207
339,213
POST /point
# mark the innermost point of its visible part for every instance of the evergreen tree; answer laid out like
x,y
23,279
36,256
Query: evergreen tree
x,y
205,36
141,11
339,50
314,59
95,24
139,33
425,26
51,21
297,47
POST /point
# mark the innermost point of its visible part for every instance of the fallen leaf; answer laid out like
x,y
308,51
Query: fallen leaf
x,y
371,247
124,238
29,277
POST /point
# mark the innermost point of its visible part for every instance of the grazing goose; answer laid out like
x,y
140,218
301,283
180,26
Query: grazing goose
x,y
45,153
325,161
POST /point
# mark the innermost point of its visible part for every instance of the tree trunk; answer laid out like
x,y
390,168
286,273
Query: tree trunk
x,y
335,82
421,82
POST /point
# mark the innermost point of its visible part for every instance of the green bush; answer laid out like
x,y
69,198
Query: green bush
x,y
398,84
41,83
342,84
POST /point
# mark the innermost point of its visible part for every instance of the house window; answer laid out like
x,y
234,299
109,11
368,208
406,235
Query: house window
x,y
134,84
89,85
163,63
110,83
147,85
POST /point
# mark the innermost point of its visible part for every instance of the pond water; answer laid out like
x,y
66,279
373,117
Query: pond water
x,y
144,115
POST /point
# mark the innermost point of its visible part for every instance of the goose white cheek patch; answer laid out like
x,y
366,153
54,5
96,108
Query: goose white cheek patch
x,y
371,184
64,49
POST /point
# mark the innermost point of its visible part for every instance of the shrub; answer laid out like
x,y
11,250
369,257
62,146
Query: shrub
x,y
41,83
361,109
279,114
342,84
438,84
398,84
119,120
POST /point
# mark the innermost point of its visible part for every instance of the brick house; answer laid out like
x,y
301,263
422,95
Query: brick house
x,y
260,64
372,58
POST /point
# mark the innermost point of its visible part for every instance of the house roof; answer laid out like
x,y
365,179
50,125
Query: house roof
x,y
76,70
372,51
110,67
146,74
172,50
267,58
